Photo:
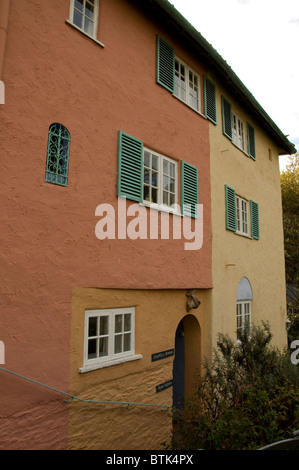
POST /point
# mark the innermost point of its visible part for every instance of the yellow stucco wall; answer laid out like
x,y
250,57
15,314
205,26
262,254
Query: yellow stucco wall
x,y
234,256
157,315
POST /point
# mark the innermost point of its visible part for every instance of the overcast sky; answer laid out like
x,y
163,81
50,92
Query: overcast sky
x,y
259,39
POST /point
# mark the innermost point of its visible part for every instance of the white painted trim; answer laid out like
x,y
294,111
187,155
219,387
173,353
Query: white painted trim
x,y
88,368
111,358
85,34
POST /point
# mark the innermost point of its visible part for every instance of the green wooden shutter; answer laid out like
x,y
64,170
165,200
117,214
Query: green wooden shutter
x,y
227,118
210,100
230,205
251,141
130,167
189,190
254,216
165,64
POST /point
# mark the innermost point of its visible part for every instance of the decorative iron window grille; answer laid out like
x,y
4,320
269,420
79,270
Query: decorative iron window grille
x,y
58,155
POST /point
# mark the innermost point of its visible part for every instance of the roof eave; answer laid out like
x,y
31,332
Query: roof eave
x,y
224,71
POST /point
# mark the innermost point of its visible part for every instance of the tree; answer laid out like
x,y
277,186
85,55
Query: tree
x,y
290,206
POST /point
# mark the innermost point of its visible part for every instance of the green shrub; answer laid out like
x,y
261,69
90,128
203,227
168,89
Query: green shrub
x,y
248,397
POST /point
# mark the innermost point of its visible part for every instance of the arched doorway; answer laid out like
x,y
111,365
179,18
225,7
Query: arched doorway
x,y
187,360
179,368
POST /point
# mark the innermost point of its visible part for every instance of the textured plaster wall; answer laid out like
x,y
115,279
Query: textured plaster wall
x,y
52,73
157,315
235,257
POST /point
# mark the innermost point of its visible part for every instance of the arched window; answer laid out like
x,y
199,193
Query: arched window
x,y
244,298
58,155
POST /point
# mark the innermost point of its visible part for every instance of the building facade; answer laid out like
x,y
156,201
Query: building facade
x,y
140,185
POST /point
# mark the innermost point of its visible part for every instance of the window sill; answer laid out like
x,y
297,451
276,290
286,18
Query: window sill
x,y
244,235
83,32
161,208
243,151
113,362
190,107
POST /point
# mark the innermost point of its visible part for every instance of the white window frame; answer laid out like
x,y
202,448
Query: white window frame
x,y
189,90
111,357
238,132
242,215
243,315
160,205
92,35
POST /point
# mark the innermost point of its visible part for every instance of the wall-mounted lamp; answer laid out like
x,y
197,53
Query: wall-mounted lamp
x,y
193,301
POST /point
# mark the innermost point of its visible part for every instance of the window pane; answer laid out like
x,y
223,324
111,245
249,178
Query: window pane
x,y
146,193
171,185
118,344
146,177
171,199
103,325
146,159
165,197
154,162
79,5
165,182
92,326
103,347
77,19
92,348
154,195
127,342
127,322
89,10
118,324
165,167
155,179
88,26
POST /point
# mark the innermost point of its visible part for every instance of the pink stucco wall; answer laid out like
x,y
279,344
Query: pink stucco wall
x,y
53,73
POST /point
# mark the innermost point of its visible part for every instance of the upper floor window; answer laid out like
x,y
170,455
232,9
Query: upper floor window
x,y
159,179
84,15
146,176
239,212
179,79
238,135
242,215
186,86
58,155
234,128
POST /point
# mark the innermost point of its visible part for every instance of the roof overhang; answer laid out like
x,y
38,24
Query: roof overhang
x,y
165,12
